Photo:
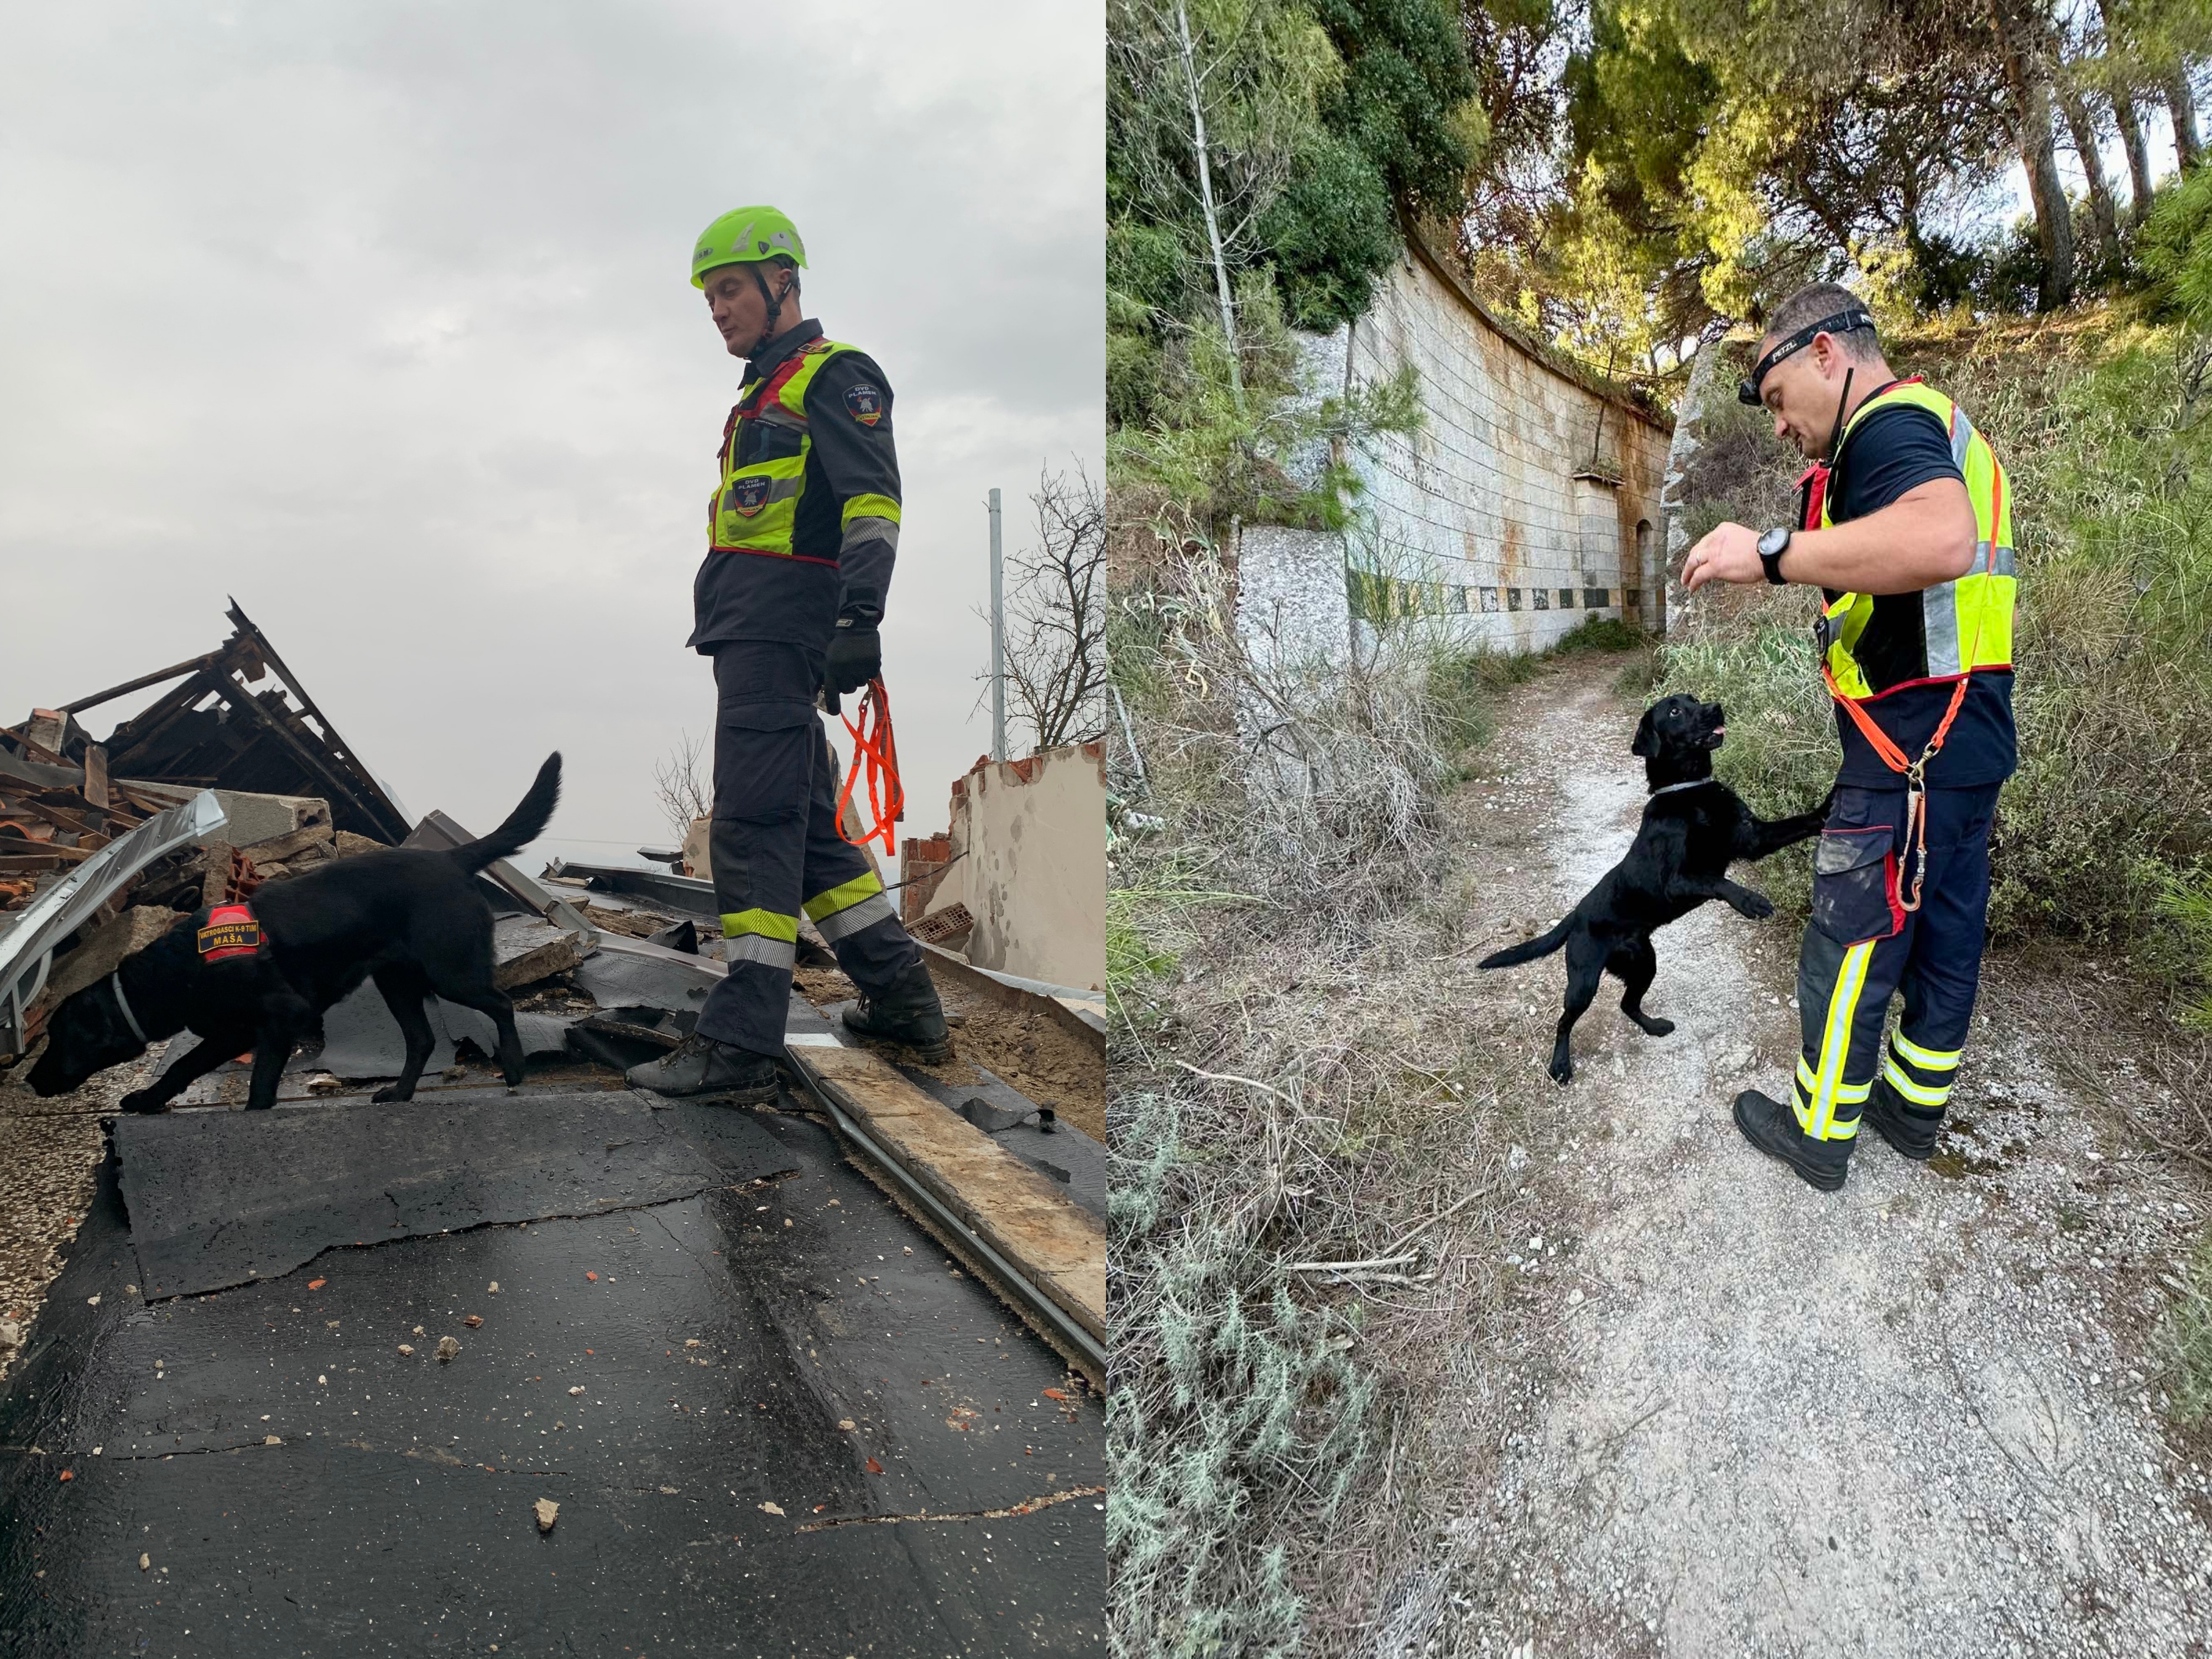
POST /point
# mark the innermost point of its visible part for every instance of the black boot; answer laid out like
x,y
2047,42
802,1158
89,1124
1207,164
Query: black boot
x,y
701,1065
1910,1130
907,1011
1772,1127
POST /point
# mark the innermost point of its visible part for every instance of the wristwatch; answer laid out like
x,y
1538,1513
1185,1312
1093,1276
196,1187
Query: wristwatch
x,y
1772,546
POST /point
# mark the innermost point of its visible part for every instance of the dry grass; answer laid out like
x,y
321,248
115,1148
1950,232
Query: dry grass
x,y
1285,1097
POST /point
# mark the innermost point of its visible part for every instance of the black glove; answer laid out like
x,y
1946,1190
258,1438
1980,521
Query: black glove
x,y
856,656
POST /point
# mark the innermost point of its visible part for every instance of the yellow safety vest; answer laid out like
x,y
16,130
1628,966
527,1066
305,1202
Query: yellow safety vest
x,y
1965,623
755,506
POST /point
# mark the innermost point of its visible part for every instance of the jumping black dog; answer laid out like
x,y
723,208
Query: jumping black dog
x,y
408,917
1693,828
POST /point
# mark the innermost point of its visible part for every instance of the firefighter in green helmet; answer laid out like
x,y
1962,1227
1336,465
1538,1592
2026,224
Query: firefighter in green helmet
x,y
802,530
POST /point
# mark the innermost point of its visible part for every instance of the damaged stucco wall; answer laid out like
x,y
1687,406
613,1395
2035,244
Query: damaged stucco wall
x,y
1033,834
1529,500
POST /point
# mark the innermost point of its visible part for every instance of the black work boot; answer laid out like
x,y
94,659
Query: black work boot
x,y
1911,1130
701,1065
1772,1127
908,1012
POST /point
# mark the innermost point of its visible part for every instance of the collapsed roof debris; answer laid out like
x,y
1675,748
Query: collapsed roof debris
x,y
212,729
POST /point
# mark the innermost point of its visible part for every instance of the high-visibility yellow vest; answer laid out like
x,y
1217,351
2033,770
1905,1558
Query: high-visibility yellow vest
x,y
1966,624
753,508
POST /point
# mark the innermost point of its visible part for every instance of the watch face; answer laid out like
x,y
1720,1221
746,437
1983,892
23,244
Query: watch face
x,y
1772,543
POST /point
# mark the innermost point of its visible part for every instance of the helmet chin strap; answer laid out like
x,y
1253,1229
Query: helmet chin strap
x,y
775,303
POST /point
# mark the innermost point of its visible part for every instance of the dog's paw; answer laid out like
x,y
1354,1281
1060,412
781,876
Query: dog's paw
x,y
1757,906
1655,1025
390,1093
141,1100
1562,1069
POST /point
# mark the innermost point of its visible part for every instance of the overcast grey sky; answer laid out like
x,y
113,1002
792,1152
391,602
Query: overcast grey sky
x,y
378,316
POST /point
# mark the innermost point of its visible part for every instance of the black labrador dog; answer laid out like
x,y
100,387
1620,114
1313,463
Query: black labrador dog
x,y
408,917
1693,828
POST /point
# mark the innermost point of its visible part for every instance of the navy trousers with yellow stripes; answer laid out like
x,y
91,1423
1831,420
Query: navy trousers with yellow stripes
x,y
776,853
1863,947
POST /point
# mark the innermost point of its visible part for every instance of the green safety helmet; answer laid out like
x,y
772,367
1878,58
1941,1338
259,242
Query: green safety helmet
x,y
745,235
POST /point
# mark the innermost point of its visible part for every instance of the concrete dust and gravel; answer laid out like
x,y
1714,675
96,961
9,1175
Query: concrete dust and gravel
x,y
1028,1051
1919,1416
50,1151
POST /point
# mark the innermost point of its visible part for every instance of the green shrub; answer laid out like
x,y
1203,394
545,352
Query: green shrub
x,y
2188,1334
1602,633
2175,245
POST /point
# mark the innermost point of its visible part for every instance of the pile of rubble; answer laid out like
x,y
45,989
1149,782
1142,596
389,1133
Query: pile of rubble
x,y
232,778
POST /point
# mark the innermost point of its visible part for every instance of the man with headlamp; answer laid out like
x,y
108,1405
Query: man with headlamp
x,y
1906,527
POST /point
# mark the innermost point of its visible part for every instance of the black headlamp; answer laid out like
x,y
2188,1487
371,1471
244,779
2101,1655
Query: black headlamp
x,y
1843,322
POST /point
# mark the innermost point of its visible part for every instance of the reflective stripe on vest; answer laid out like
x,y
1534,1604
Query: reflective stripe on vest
x,y
1967,623
756,507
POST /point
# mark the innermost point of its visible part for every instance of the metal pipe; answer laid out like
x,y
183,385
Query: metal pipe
x,y
998,639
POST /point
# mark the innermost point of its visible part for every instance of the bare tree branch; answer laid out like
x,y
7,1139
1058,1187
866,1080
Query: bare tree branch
x,y
681,788
1057,615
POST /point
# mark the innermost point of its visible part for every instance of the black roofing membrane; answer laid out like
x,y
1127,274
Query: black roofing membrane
x,y
218,1199
719,1351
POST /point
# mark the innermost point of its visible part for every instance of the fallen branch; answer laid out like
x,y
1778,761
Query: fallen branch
x,y
1348,1266
1225,1077
1029,1507
1483,1192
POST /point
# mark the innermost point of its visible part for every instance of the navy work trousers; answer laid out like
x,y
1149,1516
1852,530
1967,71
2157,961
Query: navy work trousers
x,y
1862,946
776,853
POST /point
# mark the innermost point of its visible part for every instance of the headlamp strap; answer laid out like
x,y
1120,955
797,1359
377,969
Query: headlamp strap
x,y
1842,323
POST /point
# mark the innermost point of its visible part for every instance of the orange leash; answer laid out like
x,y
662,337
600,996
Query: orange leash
x,y
876,749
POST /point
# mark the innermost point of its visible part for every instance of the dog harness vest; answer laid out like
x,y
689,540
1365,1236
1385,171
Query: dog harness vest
x,y
231,930
755,509
1965,625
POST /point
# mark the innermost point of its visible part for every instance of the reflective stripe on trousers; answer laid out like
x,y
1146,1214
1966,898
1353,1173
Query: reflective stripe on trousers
x,y
774,842
1844,987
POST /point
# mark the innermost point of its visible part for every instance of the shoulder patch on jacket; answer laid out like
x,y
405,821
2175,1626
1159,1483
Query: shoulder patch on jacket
x,y
866,401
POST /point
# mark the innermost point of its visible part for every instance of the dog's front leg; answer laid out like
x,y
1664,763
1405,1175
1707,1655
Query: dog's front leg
x,y
212,1052
1764,835
1743,901
272,1047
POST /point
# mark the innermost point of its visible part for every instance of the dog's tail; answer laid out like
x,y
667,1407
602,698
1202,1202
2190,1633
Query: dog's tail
x,y
1542,946
524,824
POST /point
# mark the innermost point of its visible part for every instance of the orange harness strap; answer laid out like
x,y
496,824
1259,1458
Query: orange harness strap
x,y
1916,771
874,747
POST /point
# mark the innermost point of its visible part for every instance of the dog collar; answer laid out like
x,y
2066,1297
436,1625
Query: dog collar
x,y
115,984
1669,789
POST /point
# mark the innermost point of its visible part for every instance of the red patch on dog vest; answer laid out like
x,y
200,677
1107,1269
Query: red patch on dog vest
x,y
231,930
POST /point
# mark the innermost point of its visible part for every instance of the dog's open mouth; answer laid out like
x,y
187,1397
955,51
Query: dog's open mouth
x,y
1713,738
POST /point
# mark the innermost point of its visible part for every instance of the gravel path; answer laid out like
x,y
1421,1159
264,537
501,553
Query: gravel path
x,y
1912,1418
